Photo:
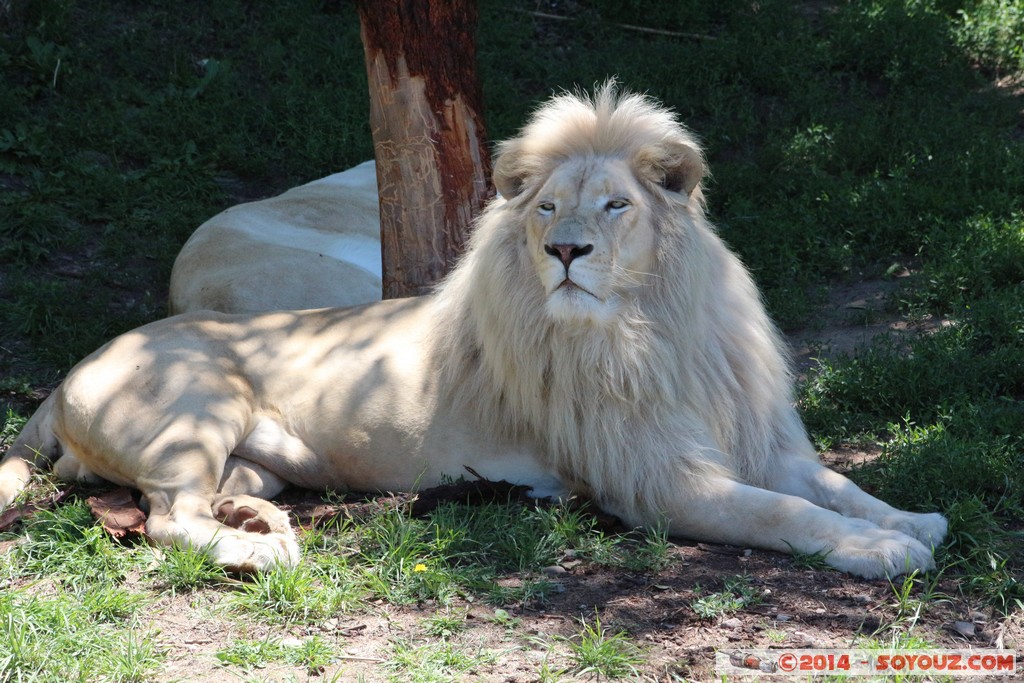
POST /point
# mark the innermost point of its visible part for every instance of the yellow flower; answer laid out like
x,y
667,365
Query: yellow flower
x,y
420,567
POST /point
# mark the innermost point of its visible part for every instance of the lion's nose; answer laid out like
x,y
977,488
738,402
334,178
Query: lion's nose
x,y
567,253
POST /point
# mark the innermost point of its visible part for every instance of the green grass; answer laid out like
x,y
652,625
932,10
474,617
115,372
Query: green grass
x,y
435,663
58,639
457,551
187,569
737,593
596,651
846,141
313,654
444,625
65,613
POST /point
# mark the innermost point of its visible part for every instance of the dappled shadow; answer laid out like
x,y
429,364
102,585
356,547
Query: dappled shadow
x,y
178,396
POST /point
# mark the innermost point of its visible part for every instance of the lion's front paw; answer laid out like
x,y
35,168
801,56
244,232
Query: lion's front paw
x,y
873,552
929,529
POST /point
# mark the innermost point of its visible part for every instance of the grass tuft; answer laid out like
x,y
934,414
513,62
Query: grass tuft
x,y
597,651
737,593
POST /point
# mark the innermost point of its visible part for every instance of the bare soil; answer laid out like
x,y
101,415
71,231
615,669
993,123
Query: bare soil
x,y
799,608
854,316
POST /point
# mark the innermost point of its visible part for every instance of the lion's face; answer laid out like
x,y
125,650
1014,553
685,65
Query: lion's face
x,y
591,238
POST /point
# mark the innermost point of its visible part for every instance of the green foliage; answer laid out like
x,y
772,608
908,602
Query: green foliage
x,y
298,594
986,553
433,663
641,551
13,425
992,31
597,651
187,569
814,561
444,625
736,594
313,654
56,638
66,542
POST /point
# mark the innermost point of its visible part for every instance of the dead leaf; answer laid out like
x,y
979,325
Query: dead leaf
x,y
13,515
117,512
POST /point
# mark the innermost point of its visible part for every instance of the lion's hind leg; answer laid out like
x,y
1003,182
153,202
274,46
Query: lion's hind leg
x,y
242,500
70,468
253,515
189,520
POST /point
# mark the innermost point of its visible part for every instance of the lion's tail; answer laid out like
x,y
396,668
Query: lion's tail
x,y
36,447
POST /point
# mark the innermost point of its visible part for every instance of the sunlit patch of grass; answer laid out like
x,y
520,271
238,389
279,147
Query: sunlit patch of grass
x,y
60,637
313,654
598,651
435,662
444,625
66,542
289,594
186,569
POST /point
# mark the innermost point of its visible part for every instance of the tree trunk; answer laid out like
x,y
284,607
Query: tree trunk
x,y
433,167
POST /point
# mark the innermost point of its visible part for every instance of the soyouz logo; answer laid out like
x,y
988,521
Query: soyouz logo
x,y
866,662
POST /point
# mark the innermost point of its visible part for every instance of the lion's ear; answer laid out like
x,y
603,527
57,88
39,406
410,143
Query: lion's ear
x,y
508,174
676,166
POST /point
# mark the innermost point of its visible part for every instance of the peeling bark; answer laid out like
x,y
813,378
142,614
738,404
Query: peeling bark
x,y
433,166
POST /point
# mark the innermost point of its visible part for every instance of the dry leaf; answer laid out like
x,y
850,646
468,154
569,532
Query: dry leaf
x,y
117,511
11,516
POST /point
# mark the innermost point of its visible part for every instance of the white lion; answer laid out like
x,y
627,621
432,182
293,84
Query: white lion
x,y
597,338
326,234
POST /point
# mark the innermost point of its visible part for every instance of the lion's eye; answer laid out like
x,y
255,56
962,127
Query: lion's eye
x,y
616,205
546,208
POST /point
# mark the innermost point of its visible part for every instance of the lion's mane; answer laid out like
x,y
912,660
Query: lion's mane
x,y
690,380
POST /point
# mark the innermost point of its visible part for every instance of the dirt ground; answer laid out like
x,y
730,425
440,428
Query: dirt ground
x,y
798,608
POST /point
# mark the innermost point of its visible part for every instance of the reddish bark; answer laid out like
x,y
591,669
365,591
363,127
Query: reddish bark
x,y
433,167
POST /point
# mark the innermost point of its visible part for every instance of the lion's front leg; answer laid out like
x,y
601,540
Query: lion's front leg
x,y
811,480
725,511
